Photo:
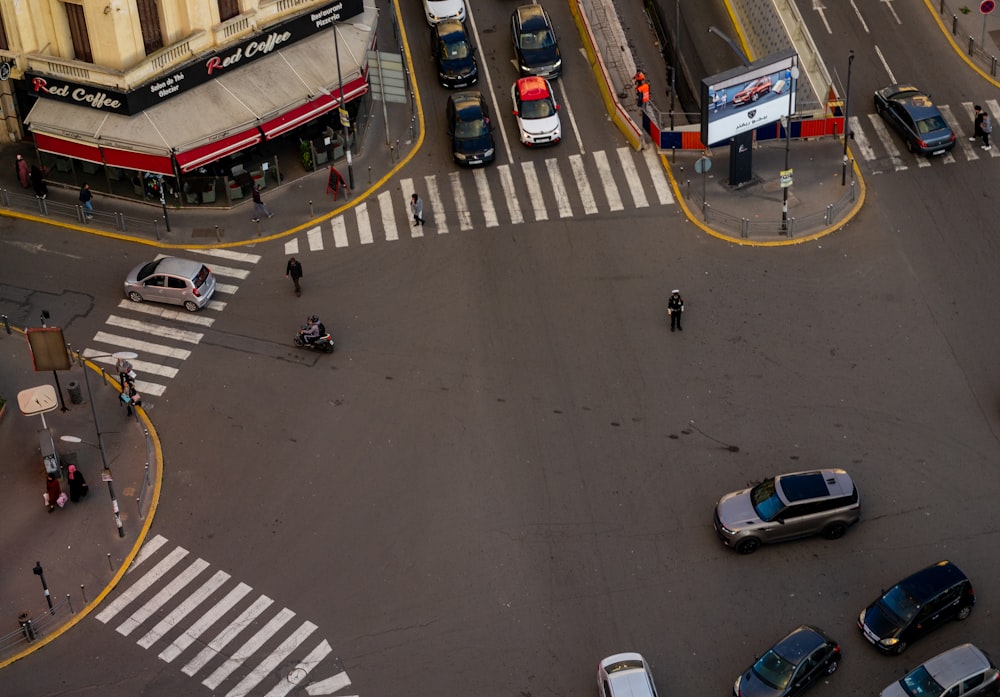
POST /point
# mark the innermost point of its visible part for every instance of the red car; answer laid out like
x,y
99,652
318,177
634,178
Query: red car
x,y
753,91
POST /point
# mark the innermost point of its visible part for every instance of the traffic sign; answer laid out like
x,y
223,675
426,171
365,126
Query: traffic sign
x,y
987,6
786,178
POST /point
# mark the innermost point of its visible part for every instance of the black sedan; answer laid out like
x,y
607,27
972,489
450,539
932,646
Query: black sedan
x,y
792,666
454,54
470,129
535,44
913,114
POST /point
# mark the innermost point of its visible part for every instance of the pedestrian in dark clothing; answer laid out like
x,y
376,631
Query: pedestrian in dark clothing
x,y
38,182
23,171
675,308
77,484
86,198
417,209
258,205
982,127
53,490
294,271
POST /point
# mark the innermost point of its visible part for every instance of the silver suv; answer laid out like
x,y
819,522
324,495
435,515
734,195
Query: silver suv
x,y
799,504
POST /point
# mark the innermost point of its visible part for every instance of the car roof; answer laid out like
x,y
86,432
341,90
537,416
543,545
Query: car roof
x,y
800,643
630,681
452,29
917,103
530,88
531,17
175,266
956,664
467,100
817,484
927,583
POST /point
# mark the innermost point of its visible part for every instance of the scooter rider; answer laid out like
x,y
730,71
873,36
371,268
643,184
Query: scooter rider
x,y
311,331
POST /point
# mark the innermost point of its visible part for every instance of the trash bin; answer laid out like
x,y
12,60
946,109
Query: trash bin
x,y
75,394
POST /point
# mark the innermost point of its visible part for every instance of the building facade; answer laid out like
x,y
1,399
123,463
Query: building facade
x,y
191,99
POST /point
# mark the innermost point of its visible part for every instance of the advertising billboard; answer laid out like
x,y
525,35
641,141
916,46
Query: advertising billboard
x,y
745,98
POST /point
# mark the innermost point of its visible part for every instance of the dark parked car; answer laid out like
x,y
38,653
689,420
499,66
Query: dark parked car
x,y
753,91
792,666
535,43
454,54
799,504
917,605
470,129
913,114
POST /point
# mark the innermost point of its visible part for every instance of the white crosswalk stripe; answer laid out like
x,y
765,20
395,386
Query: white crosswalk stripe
x,y
249,655
535,190
162,335
315,239
883,133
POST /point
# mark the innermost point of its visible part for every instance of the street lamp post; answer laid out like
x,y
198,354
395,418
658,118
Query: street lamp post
x,y
106,472
847,111
40,574
793,74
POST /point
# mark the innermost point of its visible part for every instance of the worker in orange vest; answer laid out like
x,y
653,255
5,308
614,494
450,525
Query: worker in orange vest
x,y
642,94
639,77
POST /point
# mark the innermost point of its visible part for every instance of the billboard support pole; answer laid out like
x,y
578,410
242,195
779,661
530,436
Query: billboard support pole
x,y
847,110
793,73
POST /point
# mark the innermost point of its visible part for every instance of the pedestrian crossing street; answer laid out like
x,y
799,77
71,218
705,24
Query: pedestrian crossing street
x,y
459,201
877,145
163,335
197,618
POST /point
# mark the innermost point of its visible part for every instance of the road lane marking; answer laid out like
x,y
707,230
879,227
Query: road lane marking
x,y
364,224
486,198
137,588
632,178
166,593
462,208
510,195
204,623
534,190
604,176
436,208
558,187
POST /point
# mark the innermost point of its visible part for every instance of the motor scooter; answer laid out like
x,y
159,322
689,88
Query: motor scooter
x,y
323,342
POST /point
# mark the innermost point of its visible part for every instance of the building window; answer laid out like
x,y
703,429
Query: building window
x,y
228,9
78,32
149,22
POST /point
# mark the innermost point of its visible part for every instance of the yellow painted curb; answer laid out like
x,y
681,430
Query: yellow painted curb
x,y
958,49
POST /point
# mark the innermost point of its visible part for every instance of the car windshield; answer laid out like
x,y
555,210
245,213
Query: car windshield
x,y
900,603
765,500
929,125
147,270
534,40
774,670
537,109
476,128
454,50
919,683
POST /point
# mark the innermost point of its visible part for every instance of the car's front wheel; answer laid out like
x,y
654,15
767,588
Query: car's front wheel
x,y
190,306
134,297
900,647
834,531
748,545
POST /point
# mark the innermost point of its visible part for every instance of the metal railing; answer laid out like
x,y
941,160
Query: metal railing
x,y
976,50
75,213
33,627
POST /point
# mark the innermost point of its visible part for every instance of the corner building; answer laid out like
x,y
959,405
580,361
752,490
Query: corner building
x,y
193,101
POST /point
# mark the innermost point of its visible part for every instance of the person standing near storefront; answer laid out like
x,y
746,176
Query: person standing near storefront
x,y
258,205
87,198
38,182
23,171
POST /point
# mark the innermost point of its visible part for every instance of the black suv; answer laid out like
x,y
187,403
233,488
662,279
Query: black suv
x,y
916,605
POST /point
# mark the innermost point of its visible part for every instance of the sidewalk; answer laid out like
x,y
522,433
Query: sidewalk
x,y
78,547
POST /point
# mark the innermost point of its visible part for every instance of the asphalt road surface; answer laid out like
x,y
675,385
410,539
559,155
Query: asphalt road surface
x,y
507,470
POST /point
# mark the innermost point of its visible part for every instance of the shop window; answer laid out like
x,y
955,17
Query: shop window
x,y
149,22
228,9
78,32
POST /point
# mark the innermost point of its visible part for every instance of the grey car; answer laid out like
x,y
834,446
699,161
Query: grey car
x,y
963,671
799,504
171,280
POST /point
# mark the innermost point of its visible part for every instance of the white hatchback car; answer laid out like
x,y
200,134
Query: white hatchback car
x,y
625,675
440,10
536,111
959,672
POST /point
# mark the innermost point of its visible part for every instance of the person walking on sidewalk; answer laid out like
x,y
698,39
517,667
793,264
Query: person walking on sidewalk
x,y
258,205
293,269
77,484
52,492
38,181
417,209
23,171
982,126
86,198
675,308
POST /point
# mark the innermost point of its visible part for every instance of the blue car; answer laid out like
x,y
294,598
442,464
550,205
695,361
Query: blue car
x,y
913,114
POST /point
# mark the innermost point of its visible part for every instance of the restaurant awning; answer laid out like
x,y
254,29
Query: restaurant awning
x,y
266,98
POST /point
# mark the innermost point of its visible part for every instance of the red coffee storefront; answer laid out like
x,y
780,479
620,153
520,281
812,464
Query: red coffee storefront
x,y
259,111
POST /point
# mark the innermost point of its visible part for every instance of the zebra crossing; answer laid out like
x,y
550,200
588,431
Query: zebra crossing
x,y
161,335
875,144
229,613
460,201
